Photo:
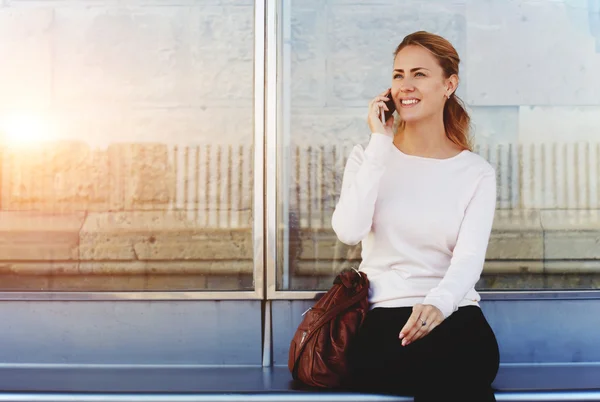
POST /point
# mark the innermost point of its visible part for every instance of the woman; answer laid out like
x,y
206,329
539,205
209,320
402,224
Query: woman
x,y
422,204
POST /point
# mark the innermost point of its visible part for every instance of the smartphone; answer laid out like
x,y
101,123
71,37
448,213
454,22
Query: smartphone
x,y
391,108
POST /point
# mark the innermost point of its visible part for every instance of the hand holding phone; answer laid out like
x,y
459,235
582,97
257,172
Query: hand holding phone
x,y
380,114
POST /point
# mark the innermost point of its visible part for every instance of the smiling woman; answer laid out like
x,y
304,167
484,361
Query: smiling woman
x,y
422,205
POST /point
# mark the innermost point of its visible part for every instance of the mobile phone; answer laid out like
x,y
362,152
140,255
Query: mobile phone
x,y
391,108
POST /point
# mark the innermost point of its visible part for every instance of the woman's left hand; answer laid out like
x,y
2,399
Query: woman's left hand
x,y
423,320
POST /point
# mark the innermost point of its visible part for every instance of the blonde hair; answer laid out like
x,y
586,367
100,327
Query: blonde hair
x,y
456,118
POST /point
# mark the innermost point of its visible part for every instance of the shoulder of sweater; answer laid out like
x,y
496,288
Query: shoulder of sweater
x,y
358,151
481,164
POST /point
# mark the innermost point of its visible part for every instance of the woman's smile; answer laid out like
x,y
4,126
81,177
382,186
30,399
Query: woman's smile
x,y
409,102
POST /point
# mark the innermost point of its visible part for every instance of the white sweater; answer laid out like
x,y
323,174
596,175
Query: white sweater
x,y
424,223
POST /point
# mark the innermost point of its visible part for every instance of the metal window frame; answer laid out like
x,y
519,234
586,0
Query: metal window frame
x,y
271,116
485,295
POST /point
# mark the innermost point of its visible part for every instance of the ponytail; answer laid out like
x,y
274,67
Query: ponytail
x,y
457,122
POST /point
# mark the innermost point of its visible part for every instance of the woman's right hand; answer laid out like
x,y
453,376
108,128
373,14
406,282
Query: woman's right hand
x,y
374,118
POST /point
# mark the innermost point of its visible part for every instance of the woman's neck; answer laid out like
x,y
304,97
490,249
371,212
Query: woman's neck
x,y
426,139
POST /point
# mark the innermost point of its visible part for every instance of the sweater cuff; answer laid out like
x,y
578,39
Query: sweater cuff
x,y
379,149
444,303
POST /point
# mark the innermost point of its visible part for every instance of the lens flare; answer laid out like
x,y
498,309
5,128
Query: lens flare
x,y
24,129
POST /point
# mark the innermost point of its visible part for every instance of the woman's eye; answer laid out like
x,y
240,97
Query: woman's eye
x,y
397,76
419,74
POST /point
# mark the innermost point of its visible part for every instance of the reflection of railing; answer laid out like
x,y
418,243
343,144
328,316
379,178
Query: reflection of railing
x,y
165,213
213,184
529,176
547,175
546,225
131,216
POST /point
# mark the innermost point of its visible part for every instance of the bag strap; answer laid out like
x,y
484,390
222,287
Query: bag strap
x,y
331,314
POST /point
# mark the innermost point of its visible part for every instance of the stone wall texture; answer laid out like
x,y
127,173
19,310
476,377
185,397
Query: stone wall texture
x,y
128,141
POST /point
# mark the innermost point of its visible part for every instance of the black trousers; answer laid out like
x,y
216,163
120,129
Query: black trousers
x,y
457,361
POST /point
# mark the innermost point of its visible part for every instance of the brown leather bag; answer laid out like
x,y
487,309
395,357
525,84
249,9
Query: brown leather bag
x,y
318,352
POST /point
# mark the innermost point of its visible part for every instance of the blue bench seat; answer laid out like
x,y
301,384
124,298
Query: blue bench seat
x,y
180,383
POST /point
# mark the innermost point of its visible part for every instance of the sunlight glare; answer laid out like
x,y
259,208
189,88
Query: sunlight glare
x,y
24,129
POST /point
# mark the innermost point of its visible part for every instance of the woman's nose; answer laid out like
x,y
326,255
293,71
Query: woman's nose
x,y
407,87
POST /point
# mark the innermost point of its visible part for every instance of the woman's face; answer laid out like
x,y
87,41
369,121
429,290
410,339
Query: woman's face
x,y
419,87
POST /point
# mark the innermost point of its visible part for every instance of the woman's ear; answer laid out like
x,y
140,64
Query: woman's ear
x,y
451,84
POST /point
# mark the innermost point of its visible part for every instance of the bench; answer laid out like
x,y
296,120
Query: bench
x,y
179,383
193,350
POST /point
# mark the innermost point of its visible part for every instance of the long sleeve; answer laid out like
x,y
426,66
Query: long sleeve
x,y
353,215
469,252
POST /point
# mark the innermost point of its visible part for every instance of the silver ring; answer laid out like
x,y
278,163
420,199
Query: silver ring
x,y
423,323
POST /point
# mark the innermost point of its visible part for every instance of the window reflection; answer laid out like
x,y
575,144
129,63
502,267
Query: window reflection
x,y
126,155
530,92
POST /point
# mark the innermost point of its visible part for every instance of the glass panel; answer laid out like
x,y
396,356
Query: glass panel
x,y
127,145
532,92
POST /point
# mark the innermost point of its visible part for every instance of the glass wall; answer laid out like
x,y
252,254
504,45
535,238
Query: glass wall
x,y
529,75
127,151
127,145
